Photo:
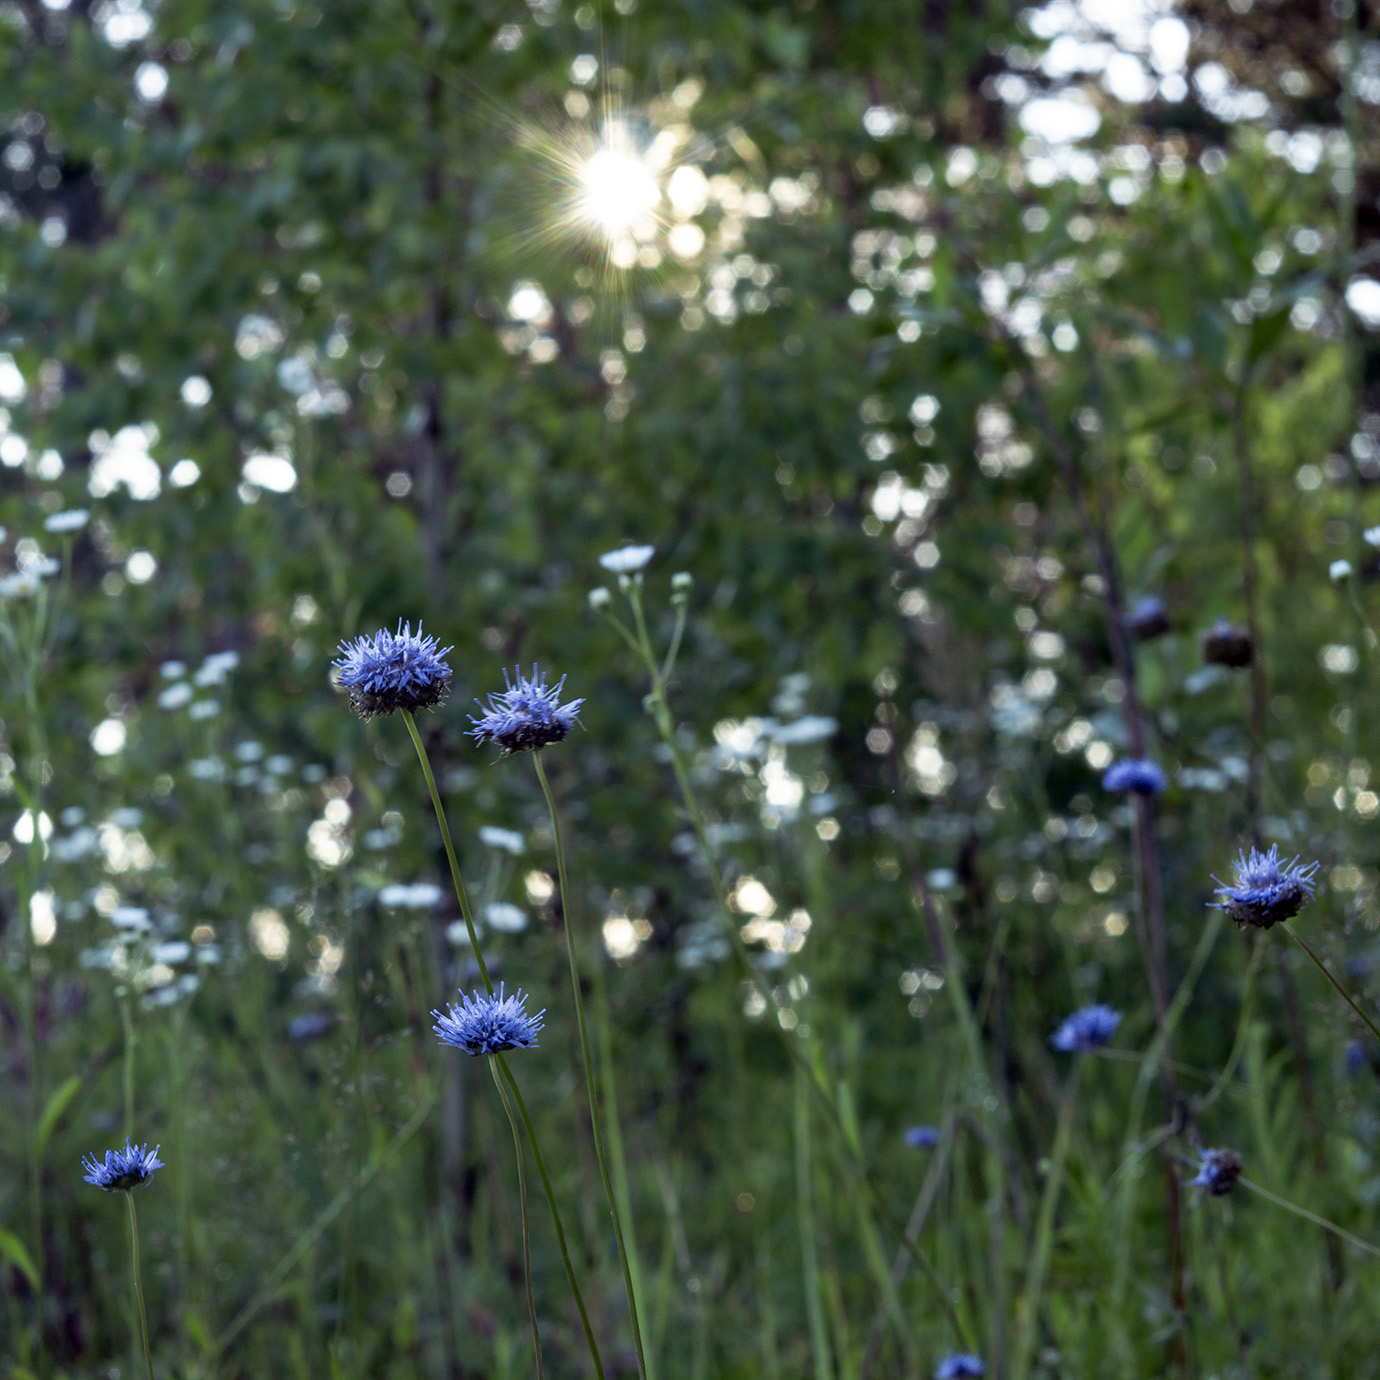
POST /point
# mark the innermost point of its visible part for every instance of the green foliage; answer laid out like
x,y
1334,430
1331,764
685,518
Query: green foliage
x,y
334,290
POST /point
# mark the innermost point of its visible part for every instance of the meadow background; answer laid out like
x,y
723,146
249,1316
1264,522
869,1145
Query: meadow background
x,y
927,338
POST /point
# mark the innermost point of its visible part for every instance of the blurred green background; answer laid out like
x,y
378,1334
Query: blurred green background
x,y
327,316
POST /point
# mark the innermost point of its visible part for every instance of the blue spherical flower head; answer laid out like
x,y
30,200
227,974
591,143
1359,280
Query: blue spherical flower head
x,y
123,1169
1148,618
1218,1173
958,1364
487,1024
528,714
1134,774
391,671
1086,1030
1267,889
922,1137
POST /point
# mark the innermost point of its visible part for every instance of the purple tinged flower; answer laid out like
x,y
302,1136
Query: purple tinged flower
x,y
1086,1030
1218,1173
1134,774
123,1169
1267,889
922,1137
527,714
959,1364
1224,644
1148,618
392,671
488,1024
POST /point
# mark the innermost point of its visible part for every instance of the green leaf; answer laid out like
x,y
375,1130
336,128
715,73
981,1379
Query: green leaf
x,y
13,1250
57,1104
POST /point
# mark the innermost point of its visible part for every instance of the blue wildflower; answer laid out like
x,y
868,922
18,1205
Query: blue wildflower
x,y
487,1024
1218,1172
1134,774
958,1364
922,1137
528,714
1086,1030
1224,644
1355,1057
391,671
1267,889
123,1169
1148,618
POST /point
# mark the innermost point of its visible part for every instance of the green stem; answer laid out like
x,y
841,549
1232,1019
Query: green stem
x,y
567,916
1326,972
138,1282
1315,1218
522,1201
540,1160
805,1221
467,914
658,708
460,895
127,1070
1044,1230
617,1157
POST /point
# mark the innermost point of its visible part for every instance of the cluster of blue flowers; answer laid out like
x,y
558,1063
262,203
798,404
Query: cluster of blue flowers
x,y
1134,775
527,714
123,1169
392,671
1086,1030
1267,889
489,1023
958,1365
1219,1172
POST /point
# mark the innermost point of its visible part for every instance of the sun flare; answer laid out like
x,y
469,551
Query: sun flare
x,y
618,192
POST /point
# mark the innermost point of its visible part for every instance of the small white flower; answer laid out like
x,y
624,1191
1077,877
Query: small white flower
x,y
413,896
23,584
599,598
509,840
813,728
504,916
1372,535
627,560
132,918
170,952
73,520
175,696
1339,570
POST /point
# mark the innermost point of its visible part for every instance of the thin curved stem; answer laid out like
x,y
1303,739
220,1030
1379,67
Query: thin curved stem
x,y
466,912
1327,973
460,895
545,1177
1044,1229
138,1282
526,1230
588,1057
659,710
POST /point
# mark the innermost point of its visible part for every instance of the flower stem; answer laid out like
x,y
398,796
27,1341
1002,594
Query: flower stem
x,y
658,708
1327,973
540,1160
138,1282
460,895
1044,1229
463,899
585,1053
522,1202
